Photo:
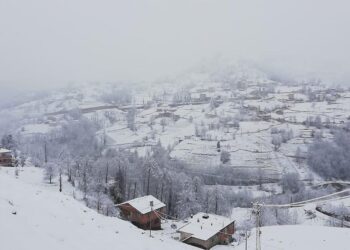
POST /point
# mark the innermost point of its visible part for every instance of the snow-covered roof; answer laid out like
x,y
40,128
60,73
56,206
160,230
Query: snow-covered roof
x,y
203,226
4,150
142,204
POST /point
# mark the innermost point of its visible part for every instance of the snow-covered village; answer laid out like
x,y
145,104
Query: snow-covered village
x,y
130,146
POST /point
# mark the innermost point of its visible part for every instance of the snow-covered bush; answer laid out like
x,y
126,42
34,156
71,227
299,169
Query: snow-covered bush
x,y
290,183
331,159
50,171
276,141
225,156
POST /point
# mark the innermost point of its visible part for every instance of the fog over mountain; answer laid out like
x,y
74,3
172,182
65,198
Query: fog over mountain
x,y
57,42
174,124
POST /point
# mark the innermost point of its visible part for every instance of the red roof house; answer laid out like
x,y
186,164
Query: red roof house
x,y
144,212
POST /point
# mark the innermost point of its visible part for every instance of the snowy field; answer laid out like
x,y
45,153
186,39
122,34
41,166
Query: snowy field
x,y
300,238
191,131
34,215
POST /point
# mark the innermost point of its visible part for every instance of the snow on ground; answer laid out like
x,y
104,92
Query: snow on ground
x,y
335,112
299,238
249,145
32,129
267,104
34,215
122,135
247,127
174,132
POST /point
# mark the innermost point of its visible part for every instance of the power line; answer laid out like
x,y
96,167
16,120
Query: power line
x,y
159,216
301,203
257,209
171,217
332,182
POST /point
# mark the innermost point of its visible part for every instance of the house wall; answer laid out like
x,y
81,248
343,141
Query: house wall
x,y
143,221
184,236
5,159
201,243
223,237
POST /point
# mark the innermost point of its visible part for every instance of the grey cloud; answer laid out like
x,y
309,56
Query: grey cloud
x,y
54,42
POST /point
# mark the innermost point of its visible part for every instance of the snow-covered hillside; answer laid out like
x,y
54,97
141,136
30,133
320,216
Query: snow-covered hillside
x,y
208,141
34,215
300,238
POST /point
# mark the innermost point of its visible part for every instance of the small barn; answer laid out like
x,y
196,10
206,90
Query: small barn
x,y
5,157
207,230
143,212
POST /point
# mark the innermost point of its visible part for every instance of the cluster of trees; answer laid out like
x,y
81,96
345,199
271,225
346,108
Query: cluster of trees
x,y
263,91
330,159
290,183
8,142
291,193
118,96
202,130
226,175
108,176
280,136
319,96
182,96
278,216
338,213
131,118
316,121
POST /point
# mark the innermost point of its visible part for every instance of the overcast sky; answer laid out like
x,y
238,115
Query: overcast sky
x,y
53,42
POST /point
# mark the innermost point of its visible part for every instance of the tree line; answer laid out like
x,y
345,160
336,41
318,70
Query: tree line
x,y
106,176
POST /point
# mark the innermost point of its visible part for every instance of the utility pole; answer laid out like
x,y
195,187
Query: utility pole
x,y
60,178
150,219
45,152
246,240
257,210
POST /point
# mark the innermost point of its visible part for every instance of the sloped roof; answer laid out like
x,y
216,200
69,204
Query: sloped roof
x,y
4,150
203,226
142,204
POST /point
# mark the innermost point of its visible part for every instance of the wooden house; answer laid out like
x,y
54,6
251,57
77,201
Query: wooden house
x,y
144,212
5,157
207,230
